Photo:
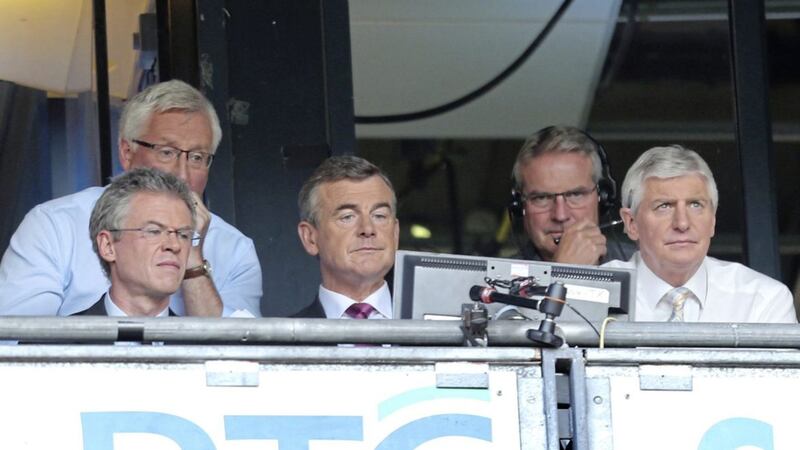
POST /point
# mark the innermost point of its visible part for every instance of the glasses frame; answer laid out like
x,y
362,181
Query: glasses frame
x,y
552,196
209,157
161,236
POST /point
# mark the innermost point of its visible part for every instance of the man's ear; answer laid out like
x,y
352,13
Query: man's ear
x,y
125,154
631,228
105,246
396,234
308,237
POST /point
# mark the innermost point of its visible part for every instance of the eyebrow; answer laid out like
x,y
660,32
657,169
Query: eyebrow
x,y
353,206
159,224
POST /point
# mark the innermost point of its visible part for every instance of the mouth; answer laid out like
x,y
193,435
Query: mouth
x,y
681,243
555,235
367,249
169,265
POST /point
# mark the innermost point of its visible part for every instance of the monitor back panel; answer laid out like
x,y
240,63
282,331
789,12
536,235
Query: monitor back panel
x,y
431,285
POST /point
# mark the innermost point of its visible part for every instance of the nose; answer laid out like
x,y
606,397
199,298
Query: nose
x,y
680,220
171,242
182,167
560,211
365,226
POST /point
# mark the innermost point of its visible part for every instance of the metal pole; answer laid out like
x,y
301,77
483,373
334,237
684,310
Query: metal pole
x,y
101,75
198,330
754,135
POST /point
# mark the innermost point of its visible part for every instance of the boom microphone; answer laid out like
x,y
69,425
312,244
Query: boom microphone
x,y
489,295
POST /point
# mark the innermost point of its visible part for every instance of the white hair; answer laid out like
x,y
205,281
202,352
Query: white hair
x,y
665,162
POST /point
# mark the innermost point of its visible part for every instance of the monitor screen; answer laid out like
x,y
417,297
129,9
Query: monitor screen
x,y
435,285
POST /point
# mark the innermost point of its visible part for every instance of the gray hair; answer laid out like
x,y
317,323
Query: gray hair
x,y
557,139
173,95
334,169
112,207
665,162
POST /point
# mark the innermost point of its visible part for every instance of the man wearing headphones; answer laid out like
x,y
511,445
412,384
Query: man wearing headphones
x,y
562,185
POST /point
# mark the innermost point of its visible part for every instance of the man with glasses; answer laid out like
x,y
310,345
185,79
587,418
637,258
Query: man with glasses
x,y
49,267
560,183
141,229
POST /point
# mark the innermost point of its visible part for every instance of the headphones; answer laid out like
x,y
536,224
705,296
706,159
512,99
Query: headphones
x,y
606,186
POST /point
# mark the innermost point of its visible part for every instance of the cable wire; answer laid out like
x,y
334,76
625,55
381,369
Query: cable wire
x,y
491,84
585,319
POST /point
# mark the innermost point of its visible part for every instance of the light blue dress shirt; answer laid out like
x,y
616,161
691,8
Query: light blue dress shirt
x,y
51,269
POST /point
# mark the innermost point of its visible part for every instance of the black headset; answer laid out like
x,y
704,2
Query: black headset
x,y
606,186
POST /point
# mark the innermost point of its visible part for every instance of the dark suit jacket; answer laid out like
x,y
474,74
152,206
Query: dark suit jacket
x,y
99,309
312,311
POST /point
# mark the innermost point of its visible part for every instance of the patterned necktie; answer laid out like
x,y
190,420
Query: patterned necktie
x,y
359,310
677,297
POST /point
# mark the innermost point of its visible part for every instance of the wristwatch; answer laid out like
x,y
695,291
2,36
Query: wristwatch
x,y
201,270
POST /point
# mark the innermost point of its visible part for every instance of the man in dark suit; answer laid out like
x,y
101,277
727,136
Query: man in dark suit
x,y
142,229
348,221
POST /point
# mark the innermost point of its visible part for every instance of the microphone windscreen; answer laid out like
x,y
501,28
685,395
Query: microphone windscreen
x,y
475,292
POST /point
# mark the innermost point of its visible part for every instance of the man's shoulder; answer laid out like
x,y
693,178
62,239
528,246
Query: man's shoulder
x,y
312,311
620,264
73,203
734,273
226,231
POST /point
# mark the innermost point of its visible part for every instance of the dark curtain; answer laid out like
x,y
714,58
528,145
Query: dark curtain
x,y
25,175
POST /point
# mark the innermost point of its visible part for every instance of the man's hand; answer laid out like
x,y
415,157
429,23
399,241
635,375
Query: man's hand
x,y
200,296
581,243
203,218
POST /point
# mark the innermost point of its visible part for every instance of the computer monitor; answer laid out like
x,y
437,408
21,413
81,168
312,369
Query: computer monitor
x,y
435,285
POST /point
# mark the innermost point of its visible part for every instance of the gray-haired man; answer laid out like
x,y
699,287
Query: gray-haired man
x,y
669,205
142,229
49,267
348,221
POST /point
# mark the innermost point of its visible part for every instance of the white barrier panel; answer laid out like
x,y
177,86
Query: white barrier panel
x,y
242,405
695,404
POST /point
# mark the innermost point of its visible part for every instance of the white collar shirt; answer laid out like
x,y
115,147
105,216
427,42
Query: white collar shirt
x,y
335,304
112,310
727,292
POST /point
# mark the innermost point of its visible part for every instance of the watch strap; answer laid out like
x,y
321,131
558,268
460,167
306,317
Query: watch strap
x,y
198,271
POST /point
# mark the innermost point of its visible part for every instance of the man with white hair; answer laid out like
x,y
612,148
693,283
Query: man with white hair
x,y
669,204
49,267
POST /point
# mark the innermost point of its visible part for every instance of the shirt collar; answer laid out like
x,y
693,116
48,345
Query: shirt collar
x,y
112,310
656,287
335,303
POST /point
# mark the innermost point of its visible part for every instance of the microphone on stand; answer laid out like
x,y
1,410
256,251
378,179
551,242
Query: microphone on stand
x,y
551,305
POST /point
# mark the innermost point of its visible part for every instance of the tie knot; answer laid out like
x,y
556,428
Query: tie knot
x,y
677,298
359,310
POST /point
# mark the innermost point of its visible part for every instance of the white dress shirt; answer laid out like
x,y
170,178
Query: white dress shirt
x,y
727,292
112,310
335,304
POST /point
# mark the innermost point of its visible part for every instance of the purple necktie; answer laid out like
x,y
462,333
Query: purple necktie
x,y
359,310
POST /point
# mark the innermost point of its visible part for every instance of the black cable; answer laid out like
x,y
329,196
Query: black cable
x,y
425,113
584,318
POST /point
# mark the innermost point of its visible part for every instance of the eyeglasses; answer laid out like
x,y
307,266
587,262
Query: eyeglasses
x,y
169,154
156,233
544,201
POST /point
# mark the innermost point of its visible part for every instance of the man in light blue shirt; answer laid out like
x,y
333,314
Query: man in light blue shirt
x,y
49,267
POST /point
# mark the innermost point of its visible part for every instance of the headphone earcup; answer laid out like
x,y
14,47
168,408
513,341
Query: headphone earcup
x,y
606,190
515,206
